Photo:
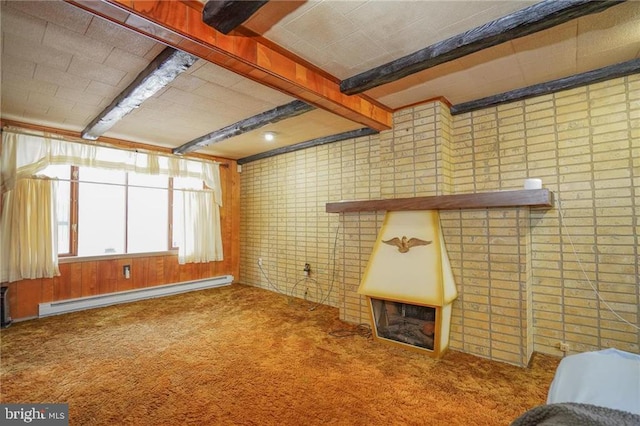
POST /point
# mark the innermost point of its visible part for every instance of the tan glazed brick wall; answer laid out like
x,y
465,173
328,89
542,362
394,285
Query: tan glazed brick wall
x,y
521,286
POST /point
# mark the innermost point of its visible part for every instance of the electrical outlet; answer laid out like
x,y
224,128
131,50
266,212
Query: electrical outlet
x,y
259,261
563,346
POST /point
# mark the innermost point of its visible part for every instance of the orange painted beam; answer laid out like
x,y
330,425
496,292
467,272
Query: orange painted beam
x,y
179,24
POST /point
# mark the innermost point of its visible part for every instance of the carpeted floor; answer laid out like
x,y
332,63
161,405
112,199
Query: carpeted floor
x,y
239,355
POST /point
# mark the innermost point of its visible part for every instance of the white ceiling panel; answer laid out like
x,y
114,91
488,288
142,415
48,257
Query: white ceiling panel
x,y
377,31
61,66
60,14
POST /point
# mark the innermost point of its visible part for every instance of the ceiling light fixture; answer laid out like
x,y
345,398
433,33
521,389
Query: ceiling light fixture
x,y
269,136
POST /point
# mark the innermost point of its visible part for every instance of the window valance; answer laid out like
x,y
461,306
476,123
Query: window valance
x,y
24,155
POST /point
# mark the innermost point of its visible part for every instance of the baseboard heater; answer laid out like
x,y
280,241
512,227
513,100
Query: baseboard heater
x,y
90,302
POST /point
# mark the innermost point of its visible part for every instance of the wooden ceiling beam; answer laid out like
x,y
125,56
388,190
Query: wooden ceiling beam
x,y
274,115
351,134
590,77
226,15
161,71
180,25
529,20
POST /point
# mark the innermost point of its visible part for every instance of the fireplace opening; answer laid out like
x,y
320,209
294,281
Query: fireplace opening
x,y
405,323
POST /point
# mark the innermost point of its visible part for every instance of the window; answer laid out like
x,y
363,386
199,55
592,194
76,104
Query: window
x,y
112,212
115,212
102,214
148,213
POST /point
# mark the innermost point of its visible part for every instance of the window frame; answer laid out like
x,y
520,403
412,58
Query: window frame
x,y
73,214
74,219
170,224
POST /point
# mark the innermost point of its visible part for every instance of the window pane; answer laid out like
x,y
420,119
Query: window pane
x,y
63,204
178,215
148,213
101,212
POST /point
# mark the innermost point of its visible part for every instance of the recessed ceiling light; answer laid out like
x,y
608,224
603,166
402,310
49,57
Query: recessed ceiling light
x,y
269,136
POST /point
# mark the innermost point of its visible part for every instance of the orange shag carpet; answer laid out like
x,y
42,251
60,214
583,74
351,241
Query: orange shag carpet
x,y
240,355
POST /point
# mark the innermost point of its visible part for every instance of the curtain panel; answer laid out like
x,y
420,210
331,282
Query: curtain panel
x,y
201,218
28,248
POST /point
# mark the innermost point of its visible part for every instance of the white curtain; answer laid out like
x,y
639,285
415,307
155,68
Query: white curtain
x,y
29,243
201,219
24,155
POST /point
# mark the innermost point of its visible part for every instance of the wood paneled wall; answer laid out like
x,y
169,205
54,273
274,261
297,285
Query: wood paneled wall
x,y
93,277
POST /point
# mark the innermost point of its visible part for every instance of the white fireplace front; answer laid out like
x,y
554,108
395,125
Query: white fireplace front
x,y
409,283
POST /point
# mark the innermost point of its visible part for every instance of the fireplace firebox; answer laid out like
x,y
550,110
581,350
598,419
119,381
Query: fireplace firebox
x,y
405,323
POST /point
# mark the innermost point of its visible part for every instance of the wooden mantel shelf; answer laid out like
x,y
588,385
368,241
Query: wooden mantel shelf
x,y
521,198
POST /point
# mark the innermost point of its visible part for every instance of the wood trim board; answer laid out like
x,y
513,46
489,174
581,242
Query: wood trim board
x,y
518,198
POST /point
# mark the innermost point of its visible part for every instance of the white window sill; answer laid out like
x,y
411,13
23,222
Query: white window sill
x,y
76,259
